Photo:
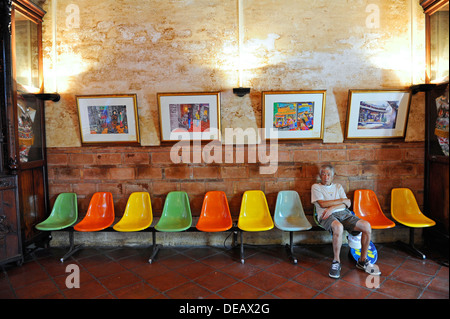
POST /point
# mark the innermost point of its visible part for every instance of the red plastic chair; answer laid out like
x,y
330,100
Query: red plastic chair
x,y
367,207
215,215
100,214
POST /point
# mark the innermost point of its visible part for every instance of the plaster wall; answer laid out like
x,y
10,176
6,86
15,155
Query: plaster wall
x,y
146,47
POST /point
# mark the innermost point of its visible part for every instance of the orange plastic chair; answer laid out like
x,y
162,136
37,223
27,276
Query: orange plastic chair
x,y
138,213
215,215
100,214
367,207
405,210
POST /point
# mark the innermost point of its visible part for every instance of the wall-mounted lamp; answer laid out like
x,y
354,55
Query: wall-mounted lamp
x,y
421,88
55,97
241,91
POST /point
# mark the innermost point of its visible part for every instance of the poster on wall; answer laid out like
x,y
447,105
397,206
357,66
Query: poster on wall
x,y
377,113
108,119
189,116
293,115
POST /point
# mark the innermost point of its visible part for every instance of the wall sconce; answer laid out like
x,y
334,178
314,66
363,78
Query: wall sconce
x,y
421,88
55,97
240,91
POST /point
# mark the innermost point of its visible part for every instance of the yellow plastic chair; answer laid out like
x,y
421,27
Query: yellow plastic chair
x,y
290,216
404,209
138,213
254,215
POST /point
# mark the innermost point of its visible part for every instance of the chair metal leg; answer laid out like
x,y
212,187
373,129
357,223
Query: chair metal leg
x,y
155,248
72,249
290,248
242,247
235,239
411,246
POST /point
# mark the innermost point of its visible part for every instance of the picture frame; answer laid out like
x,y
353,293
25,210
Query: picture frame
x,y
377,114
193,116
293,115
109,119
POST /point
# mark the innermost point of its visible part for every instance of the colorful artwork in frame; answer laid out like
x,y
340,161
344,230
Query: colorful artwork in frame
x,y
189,116
377,113
293,114
108,119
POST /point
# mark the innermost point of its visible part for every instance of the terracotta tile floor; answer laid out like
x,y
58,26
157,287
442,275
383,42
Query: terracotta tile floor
x,y
216,273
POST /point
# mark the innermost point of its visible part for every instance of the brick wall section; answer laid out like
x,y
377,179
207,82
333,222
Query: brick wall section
x,y
123,170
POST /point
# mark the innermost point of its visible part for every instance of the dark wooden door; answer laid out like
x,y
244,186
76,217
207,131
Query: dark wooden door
x,y
10,238
436,190
32,196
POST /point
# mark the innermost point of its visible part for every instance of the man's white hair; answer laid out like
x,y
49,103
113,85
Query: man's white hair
x,y
327,166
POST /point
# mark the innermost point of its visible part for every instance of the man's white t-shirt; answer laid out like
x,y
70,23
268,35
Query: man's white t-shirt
x,y
324,192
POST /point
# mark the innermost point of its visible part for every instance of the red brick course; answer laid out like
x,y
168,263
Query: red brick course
x,y
122,170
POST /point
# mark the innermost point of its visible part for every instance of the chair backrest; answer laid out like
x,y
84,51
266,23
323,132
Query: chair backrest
x,y
176,214
65,207
365,204
215,214
403,203
100,213
405,210
288,205
64,213
139,207
289,213
367,207
138,213
254,214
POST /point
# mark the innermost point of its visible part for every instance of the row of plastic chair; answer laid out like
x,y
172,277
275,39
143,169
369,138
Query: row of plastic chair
x,y
215,214
176,216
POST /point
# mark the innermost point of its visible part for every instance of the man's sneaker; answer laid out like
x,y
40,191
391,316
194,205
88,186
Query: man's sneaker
x,y
335,270
369,268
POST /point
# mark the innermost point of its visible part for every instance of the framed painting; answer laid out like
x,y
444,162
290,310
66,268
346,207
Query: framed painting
x,y
377,114
189,116
293,115
108,119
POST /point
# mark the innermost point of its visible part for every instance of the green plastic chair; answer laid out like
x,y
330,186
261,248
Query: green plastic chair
x,y
316,218
176,215
64,213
